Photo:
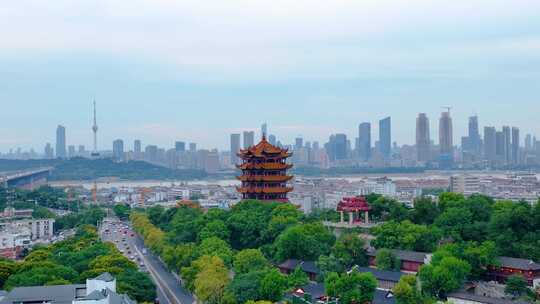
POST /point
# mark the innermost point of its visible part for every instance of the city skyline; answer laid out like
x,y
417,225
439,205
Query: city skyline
x,y
254,134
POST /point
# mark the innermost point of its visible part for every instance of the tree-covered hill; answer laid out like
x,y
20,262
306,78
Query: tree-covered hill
x,y
88,169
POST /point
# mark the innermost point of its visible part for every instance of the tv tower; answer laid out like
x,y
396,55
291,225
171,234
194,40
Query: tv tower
x,y
95,153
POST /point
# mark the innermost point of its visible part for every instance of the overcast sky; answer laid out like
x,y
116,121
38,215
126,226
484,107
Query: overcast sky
x,y
198,70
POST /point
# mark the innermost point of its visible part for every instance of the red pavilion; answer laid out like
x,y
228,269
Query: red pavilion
x,y
353,206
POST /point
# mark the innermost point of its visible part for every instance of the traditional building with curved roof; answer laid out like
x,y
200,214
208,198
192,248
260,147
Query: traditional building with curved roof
x,y
264,172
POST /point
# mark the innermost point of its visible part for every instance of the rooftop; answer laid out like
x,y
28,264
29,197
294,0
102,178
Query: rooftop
x,y
522,264
404,255
307,266
60,294
463,295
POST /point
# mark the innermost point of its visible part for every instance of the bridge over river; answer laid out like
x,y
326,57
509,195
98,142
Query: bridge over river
x,y
25,179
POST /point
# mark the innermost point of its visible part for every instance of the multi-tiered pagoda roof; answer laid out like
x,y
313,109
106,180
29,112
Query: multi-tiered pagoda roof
x,y
264,172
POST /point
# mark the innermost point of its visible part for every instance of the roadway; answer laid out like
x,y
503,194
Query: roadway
x,y
168,288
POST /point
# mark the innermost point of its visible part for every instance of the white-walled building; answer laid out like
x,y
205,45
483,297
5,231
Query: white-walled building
x,y
40,229
466,184
383,186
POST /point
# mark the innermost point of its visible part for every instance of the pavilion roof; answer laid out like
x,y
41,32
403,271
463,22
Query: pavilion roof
x,y
357,203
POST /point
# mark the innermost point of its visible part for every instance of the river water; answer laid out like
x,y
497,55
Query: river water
x,y
102,183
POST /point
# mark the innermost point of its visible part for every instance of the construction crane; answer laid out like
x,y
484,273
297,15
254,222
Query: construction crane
x,y
447,108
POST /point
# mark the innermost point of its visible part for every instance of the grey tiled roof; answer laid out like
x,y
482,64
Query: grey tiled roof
x,y
403,255
385,275
106,277
383,297
307,266
96,295
119,299
316,290
61,294
521,264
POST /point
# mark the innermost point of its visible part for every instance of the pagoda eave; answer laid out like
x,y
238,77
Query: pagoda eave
x,y
280,190
264,178
265,166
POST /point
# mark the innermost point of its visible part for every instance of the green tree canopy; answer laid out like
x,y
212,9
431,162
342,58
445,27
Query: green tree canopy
x,y
441,277
387,260
304,242
215,228
406,235
351,287
350,250
214,246
249,260
297,278
273,286
211,280
516,285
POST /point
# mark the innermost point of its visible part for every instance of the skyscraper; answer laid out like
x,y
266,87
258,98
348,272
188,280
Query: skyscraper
x,y
507,144
446,141
364,141
49,151
193,147
118,149
423,150
264,130
180,146
474,136
272,139
151,153
500,146
337,147
249,139
490,143
235,147
71,151
137,146
298,143
61,142
515,146
385,136
528,142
